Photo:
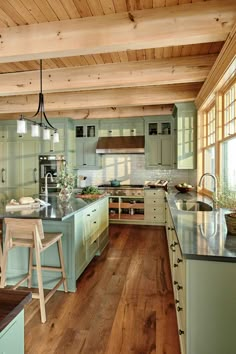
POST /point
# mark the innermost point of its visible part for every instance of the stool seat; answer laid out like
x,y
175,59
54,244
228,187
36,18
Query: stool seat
x,y
29,233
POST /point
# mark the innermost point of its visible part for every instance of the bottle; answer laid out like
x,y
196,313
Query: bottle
x,y
131,211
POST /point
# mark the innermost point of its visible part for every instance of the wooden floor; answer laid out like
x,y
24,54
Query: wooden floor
x,y
124,302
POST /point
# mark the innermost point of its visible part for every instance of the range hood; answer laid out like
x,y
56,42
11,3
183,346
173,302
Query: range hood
x,y
120,145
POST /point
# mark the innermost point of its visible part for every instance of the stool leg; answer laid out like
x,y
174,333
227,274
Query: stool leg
x,y
60,251
40,285
30,267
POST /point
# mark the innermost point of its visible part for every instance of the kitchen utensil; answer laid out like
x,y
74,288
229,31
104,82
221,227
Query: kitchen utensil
x,y
115,183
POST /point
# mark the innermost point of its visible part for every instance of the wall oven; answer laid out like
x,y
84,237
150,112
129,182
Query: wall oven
x,y
50,164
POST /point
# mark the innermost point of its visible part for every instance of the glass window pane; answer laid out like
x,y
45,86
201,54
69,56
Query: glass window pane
x,y
209,166
228,164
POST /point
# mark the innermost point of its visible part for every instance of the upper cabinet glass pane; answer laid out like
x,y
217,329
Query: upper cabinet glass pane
x,y
90,131
165,128
79,131
152,129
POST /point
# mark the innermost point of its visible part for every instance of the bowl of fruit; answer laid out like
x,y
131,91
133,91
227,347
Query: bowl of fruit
x,y
184,187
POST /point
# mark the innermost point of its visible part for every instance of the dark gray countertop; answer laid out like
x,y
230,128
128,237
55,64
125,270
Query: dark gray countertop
x,y
57,210
202,235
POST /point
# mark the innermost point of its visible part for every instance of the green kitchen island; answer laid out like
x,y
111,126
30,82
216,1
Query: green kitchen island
x,y
84,224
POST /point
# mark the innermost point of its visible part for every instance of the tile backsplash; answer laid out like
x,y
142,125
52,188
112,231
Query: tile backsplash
x,y
130,169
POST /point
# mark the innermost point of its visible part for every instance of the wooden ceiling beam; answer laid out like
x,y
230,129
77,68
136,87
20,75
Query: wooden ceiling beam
x,y
198,22
150,95
110,112
130,74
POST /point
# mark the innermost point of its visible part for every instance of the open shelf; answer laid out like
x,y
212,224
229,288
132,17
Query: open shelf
x,y
126,208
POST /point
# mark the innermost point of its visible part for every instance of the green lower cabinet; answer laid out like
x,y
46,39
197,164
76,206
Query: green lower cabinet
x,y
12,337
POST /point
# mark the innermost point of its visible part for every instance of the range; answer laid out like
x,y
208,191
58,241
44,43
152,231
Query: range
x,y
124,189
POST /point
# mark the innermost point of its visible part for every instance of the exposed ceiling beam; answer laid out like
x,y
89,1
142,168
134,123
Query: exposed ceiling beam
x,y
143,96
221,71
111,112
198,22
130,74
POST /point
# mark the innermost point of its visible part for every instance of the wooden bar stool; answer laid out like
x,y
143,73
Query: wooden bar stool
x,y
29,233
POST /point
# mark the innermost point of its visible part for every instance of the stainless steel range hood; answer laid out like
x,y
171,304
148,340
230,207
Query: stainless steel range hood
x,y
120,145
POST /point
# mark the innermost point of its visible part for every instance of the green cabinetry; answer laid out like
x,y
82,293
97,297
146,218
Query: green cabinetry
x,y
159,142
86,136
12,337
154,206
186,117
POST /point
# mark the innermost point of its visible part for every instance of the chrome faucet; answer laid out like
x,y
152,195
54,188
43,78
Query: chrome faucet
x,y
215,190
46,182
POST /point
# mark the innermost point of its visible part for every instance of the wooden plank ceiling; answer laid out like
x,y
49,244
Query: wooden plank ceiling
x,y
108,58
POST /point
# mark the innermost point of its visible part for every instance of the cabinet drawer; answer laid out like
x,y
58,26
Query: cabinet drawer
x,y
156,193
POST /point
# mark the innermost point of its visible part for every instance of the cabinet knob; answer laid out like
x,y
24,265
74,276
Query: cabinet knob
x,y
175,265
179,287
175,282
179,308
88,214
181,332
179,260
172,247
95,222
177,301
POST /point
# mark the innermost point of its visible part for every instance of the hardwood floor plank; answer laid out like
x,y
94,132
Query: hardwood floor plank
x,y
123,305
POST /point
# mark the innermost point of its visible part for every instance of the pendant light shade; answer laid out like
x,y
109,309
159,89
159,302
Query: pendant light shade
x,y
35,131
46,134
56,137
40,113
21,126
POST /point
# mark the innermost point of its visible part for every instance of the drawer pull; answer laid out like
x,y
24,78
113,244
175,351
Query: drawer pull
x,y
179,308
88,214
175,282
181,332
175,265
179,287
179,260
93,210
177,301
95,222
172,229
175,243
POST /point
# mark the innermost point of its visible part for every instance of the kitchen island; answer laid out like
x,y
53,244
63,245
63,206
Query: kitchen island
x,y
84,224
202,259
12,320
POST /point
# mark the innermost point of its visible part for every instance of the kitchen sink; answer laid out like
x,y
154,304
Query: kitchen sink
x,y
188,205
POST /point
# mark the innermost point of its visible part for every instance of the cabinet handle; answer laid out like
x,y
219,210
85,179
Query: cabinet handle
x,y
94,210
179,308
88,214
181,332
3,175
179,287
177,301
84,164
35,175
175,265
172,228
175,282
175,243
95,222
179,260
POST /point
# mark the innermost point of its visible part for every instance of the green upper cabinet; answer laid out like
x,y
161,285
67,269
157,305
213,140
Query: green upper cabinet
x,y
159,142
186,117
121,127
86,137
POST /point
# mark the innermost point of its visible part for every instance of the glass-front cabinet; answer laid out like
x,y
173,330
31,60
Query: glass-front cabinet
x,y
86,136
159,142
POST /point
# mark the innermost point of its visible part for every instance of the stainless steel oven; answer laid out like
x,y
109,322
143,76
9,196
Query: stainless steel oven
x,y
49,164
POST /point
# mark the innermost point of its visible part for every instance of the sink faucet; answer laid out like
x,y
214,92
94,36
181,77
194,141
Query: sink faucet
x,y
214,179
46,182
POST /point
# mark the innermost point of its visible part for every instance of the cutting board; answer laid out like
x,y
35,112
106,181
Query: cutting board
x,y
89,196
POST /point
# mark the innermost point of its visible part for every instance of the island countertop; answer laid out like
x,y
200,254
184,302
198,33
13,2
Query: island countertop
x,y
57,210
11,303
202,235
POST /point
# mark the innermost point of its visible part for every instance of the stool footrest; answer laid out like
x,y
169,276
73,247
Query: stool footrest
x,y
51,269
20,282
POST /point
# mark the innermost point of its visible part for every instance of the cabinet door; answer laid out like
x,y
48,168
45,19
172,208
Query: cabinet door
x,y
12,337
159,152
13,169
30,171
86,156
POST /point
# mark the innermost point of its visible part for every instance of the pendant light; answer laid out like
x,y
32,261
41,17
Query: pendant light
x,y
45,127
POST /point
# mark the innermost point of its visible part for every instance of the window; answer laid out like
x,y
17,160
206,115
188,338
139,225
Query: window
x,y
218,138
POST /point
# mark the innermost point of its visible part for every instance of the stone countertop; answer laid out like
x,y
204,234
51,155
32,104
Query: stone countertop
x,y
202,235
57,210
11,303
